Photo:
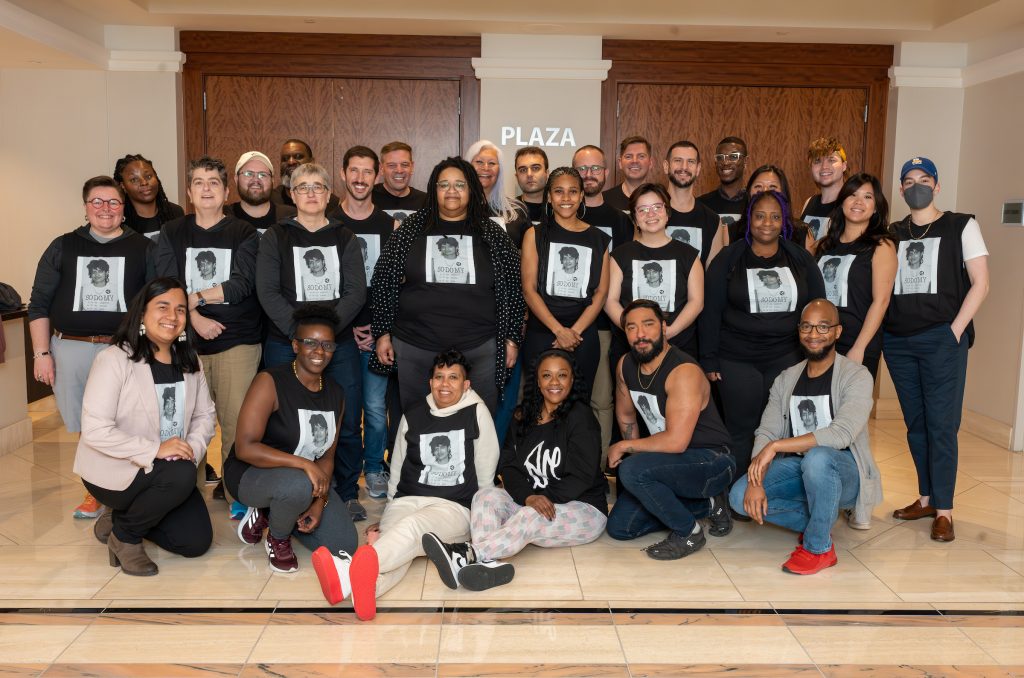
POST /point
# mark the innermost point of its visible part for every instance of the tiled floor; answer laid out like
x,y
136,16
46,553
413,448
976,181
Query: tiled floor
x,y
897,604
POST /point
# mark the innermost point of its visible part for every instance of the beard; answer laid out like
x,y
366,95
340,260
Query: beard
x,y
594,188
820,354
247,197
643,357
681,184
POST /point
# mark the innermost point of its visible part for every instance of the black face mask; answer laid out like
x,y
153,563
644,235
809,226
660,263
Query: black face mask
x,y
918,196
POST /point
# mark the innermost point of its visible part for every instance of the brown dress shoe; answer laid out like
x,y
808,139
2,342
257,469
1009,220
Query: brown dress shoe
x,y
131,557
104,525
914,511
942,529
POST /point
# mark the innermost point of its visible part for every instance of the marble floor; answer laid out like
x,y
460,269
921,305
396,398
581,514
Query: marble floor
x,y
897,604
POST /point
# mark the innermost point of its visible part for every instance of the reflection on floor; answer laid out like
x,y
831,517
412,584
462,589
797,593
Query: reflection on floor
x,y
897,603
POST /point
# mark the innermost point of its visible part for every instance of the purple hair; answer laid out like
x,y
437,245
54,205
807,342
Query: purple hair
x,y
787,219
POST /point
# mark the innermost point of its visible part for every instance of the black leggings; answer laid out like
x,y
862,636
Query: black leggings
x,y
163,506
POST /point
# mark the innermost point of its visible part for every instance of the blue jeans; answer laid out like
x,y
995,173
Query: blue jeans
x,y
929,370
375,416
662,490
806,492
503,417
344,370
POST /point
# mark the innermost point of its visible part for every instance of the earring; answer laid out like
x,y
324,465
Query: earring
x,y
581,211
181,337
142,329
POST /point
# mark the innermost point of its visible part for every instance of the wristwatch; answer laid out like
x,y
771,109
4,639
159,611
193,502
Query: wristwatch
x,y
202,301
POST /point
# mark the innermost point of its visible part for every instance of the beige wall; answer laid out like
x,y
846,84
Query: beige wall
x,y
57,129
990,173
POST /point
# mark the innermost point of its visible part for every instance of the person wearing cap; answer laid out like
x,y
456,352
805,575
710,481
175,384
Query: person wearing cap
x,y
926,334
223,307
254,181
827,160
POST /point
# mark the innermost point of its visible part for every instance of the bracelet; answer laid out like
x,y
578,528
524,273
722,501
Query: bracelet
x,y
326,500
40,354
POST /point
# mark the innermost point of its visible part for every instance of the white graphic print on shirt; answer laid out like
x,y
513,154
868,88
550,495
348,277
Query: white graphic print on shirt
x,y
809,413
170,398
541,464
918,267
568,270
369,246
450,259
647,405
444,458
99,284
818,226
316,433
771,290
835,269
655,280
206,267
317,276
689,235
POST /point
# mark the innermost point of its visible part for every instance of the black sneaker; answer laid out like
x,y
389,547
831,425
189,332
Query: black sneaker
x,y
676,546
719,520
486,575
449,559
211,475
218,491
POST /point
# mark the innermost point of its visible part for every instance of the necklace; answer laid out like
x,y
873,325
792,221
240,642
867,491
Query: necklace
x,y
653,376
295,371
911,224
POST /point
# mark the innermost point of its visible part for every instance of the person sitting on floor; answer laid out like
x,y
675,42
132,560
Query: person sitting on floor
x,y
283,458
445,451
147,419
811,451
554,491
682,470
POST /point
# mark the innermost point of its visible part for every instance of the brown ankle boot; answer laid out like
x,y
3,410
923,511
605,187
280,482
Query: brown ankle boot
x,y
131,557
104,525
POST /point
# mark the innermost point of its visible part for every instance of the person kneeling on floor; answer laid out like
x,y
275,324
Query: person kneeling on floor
x,y
811,452
681,472
554,491
445,451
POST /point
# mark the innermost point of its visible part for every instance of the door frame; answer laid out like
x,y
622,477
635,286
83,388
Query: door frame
x,y
412,57
764,64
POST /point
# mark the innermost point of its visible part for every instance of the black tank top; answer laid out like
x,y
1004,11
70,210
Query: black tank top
x,y
659,274
816,216
846,269
651,402
569,267
696,228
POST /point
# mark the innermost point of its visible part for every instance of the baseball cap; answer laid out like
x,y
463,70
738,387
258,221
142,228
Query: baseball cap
x,y
249,155
920,163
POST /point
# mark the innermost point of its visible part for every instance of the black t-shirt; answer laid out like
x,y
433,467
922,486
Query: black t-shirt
x,y
847,271
659,274
696,228
398,208
729,210
150,226
810,405
440,459
616,199
569,267
371,234
651,401
619,229
535,211
170,399
305,422
447,299
275,214
816,215
515,228
560,460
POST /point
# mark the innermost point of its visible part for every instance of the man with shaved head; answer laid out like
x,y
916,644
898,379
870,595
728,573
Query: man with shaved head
x,y
804,468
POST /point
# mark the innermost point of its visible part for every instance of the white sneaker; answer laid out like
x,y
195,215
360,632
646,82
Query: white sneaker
x,y
449,559
851,520
333,573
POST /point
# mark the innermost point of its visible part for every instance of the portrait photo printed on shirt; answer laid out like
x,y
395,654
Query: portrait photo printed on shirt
x,y
170,399
835,269
568,270
316,433
818,226
449,259
809,413
99,284
316,273
647,405
655,280
397,215
444,458
206,267
771,290
918,267
688,235
369,247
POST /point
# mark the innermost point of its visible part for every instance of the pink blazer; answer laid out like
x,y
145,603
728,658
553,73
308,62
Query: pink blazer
x,y
121,420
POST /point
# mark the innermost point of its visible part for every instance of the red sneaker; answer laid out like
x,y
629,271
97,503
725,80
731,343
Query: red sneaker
x,y
363,576
332,571
804,562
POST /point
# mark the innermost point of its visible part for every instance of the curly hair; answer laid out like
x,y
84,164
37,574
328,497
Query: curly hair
x,y
528,413
163,204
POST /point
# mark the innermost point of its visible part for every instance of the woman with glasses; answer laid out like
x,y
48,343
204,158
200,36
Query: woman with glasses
x,y
83,284
756,289
313,258
857,259
283,458
448,278
148,207
565,278
658,268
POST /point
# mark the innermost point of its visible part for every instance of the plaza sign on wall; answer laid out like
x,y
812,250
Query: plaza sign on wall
x,y
552,137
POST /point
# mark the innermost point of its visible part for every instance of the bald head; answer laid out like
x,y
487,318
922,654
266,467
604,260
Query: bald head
x,y
820,309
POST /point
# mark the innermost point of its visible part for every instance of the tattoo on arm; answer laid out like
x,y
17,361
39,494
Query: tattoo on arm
x,y
629,433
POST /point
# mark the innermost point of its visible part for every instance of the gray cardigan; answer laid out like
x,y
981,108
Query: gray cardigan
x,y
851,398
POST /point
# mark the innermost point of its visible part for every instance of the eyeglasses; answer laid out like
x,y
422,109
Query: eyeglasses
x,y
249,174
459,186
590,169
316,189
728,157
98,203
822,328
312,344
656,208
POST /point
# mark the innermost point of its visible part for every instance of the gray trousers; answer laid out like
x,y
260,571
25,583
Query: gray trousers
x,y
286,493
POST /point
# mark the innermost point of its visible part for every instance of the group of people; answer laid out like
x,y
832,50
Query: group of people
x,y
734,343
